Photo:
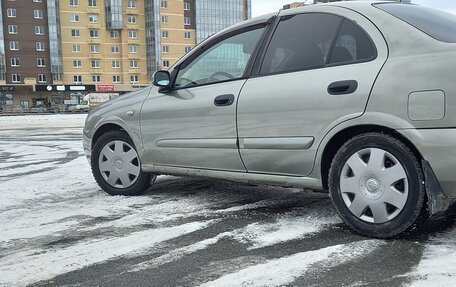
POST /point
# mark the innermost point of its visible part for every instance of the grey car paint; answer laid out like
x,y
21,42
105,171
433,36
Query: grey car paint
x,y
411,68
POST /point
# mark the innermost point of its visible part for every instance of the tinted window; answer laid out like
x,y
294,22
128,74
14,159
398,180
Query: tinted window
x,y
300,42
225,60
352,45
437,24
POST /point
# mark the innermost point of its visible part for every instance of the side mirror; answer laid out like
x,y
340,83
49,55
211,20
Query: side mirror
x,y
162,79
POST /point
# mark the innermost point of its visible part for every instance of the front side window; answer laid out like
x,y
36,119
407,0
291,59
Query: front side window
x,y
300,42
223,61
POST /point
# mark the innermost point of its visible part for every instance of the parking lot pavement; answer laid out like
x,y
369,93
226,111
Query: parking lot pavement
x,y
59,229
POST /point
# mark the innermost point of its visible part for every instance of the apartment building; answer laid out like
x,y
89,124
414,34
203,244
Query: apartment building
x,y
55,52
24,51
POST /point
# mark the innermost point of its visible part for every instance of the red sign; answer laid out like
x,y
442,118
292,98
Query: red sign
x,y
105,88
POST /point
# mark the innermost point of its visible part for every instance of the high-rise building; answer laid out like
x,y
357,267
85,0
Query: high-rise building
x,y
55,52
185,23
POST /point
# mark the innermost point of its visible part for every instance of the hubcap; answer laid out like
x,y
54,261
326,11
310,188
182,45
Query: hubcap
x,y
374,185
119,164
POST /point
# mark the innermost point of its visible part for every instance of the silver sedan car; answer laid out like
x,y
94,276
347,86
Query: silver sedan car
x,y
358,98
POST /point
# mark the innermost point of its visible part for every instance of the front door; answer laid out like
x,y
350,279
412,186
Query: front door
x,y
194,125
318,71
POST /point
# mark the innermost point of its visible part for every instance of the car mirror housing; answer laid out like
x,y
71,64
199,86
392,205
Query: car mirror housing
x,y
162,79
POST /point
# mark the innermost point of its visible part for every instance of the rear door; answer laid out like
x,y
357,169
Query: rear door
x,y
317,70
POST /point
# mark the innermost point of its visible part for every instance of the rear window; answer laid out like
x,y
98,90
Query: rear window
x,y
437,24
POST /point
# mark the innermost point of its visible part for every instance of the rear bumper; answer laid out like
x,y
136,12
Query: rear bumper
x,y
438,148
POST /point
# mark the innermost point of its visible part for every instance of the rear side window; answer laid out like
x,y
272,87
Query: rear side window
x,y
300,42
437,24
352,45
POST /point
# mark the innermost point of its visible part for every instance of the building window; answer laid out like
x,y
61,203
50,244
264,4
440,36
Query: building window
x,y
134,79
115,49
131,4
164,19
187,35
165,49
134,64
92,3
42,78
131,19
76,48
73,2
187,21
40,46
74,17
15,62
115,34
187,6
94,33
11,12
77,63
38,14
165,34
116,79
115,64
93,18
16,78
166,63
12,29
75,33
14,45
96,78
132,34
37,1
94,48
188,49
24,104
41,62
77,79
133,49
164,4
95,64
39,30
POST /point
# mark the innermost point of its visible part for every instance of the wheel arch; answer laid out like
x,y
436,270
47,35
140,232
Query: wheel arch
x,y
104,128
337,140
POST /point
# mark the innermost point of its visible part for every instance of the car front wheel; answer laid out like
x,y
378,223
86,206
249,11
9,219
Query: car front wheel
x,y
376,184
116,165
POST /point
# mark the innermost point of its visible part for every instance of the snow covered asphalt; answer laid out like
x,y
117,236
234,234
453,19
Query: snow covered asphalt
x,y
57,228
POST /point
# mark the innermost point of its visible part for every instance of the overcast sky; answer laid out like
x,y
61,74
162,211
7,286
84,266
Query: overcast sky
x,y
260,7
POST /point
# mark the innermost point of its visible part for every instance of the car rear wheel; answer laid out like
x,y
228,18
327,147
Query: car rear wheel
x,y
377,185
116,165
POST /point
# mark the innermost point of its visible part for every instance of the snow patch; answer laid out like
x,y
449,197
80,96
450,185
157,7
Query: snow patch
x,y
438,265
35,265
285,270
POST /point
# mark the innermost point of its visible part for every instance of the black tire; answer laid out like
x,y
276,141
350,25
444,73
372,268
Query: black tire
x,y
414,211
143,180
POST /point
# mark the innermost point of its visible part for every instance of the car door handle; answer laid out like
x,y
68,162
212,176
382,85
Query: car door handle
x,y
343,87
224,100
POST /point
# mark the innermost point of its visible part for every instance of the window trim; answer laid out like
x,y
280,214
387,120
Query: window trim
x,y
256,73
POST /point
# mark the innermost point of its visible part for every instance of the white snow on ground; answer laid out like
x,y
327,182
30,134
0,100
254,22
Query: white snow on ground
x,y
286,228
38,121
35,265
438,266
283,271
